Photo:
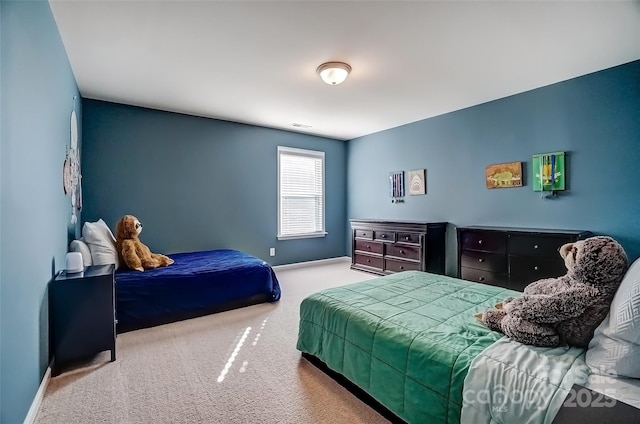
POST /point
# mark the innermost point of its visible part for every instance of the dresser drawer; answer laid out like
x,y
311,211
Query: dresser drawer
x,y
536,245
403,251
369,261
493,262
394,265
384,236
484,277
484,240
412,238
364,234
369,246
536,268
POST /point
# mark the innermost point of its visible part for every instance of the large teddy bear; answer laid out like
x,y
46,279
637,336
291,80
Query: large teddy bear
x,y
135,254
564,310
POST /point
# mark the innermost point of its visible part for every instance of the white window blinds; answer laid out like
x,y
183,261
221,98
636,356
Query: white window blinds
x,y
300,193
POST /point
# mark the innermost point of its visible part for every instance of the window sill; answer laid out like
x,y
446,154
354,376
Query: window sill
x,y
302,236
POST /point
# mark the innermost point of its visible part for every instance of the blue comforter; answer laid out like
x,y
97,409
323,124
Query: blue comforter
x,y
196,283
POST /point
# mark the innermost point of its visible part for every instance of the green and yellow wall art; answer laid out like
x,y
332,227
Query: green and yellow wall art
x,y
549,172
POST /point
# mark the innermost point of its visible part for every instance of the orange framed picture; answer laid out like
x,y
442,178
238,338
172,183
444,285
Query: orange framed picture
x,y
504,175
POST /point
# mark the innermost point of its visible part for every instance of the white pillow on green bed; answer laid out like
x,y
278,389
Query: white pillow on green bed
x,y
615,347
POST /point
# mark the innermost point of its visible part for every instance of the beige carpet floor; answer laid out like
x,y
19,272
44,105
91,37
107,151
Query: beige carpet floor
x,y
239,366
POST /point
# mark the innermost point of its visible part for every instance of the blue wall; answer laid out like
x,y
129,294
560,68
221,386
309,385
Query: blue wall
x,y
595,118
199,183
38,90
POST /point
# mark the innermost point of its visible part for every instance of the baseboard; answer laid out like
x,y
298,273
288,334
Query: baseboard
x,y
312,263
37,401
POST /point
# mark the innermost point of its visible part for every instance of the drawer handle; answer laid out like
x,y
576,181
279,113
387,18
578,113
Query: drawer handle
x,y
384,236
368,246
407,238
480,278
479,241
401,267
402,251
368,260
535,268
535,247
480,260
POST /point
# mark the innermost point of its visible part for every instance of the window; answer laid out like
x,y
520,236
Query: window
x,y
300,193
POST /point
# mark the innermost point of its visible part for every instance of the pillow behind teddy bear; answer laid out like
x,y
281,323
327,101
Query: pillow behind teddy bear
x,y
615,347
102,243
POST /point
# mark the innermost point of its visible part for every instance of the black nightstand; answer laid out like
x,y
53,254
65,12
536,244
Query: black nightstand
x,y
82,309
585,406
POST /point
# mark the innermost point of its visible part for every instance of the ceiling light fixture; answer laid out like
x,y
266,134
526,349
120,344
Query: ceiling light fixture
x,y
333,73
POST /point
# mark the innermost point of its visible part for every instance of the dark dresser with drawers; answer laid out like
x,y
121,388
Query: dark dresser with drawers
x,y
512,257
385,247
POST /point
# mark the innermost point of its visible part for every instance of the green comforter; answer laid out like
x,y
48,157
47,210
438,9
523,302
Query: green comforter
x,y
407,339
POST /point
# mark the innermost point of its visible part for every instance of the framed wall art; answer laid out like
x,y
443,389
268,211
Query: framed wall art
x,y
504,175
549,171
417,182
396,186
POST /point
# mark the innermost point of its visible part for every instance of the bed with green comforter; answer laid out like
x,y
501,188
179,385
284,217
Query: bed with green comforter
x,y
406,339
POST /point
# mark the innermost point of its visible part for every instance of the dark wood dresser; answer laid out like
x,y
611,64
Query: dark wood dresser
x,y
512,257
385,247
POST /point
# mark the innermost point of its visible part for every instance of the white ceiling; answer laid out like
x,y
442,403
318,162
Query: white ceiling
x,y
255,61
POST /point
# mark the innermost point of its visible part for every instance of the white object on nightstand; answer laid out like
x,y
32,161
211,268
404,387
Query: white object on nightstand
x,y
73,263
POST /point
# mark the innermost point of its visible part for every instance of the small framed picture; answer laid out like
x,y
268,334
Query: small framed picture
x,y
417,182
549,172
504,175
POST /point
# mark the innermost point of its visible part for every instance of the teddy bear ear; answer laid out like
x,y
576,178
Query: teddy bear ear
x,y
123,227
564,249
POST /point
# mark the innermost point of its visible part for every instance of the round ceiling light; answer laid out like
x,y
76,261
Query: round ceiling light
x,y
333,73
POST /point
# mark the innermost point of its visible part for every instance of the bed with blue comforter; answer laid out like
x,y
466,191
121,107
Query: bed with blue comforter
x,y
196,284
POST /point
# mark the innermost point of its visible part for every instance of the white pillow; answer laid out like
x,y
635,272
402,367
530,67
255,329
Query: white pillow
x,y
615,347
102,243
82,247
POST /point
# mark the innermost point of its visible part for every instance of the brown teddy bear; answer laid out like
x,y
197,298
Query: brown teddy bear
x,y
564,310
135,254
